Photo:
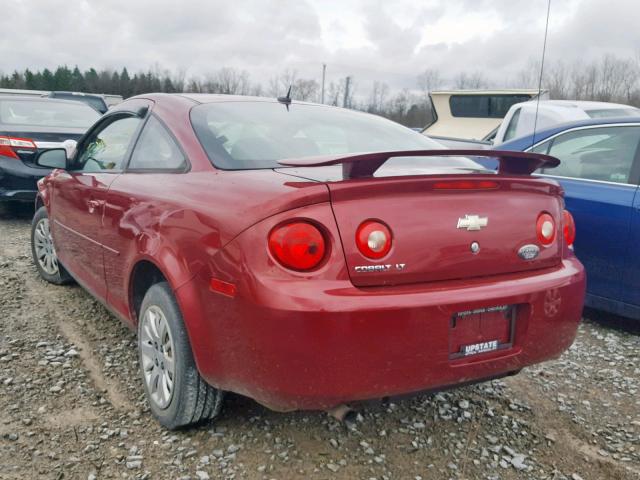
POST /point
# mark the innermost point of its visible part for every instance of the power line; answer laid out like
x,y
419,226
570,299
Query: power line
x,y
324,73
346,101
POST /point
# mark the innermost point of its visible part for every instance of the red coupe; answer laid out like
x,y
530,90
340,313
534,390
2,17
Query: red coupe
x,y
306,255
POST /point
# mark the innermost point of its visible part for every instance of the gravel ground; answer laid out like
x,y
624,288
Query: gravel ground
x,y
71,406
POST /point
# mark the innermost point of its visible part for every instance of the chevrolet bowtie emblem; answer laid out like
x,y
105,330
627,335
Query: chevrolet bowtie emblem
x,y
472,222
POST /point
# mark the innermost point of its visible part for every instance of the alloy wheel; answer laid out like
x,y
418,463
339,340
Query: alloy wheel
x,y
45,251
157,356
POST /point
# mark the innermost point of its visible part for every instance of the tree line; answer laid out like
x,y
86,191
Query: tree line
x,y
94,81
610,79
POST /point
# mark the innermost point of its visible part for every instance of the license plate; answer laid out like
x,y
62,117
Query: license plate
x,y
481,347
482,330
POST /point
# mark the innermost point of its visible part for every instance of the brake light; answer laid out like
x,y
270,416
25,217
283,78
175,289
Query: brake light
x,y
466,185
373,239
568,228
297,245
8,144
546,229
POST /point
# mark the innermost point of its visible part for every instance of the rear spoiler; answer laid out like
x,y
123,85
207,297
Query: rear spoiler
x,y
360,165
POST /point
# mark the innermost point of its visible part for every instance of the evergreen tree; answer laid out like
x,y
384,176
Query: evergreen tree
x,y
62,78
77,80
125,83
104,82
154,83
48,82
30,80
167,86
114,87
38,81
17,80
91,81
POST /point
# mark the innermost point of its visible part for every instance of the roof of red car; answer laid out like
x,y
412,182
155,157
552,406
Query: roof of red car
x,y
216,97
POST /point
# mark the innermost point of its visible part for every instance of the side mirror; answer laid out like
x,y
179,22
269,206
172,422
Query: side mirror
x,y
54,158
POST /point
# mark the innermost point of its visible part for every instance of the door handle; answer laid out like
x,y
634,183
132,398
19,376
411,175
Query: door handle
x,y
93,204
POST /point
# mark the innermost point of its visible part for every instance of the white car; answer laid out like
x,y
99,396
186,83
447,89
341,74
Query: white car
x,y
520,119
471,114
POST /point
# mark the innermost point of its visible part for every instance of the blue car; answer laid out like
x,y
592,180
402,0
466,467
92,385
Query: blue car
x,y
600,173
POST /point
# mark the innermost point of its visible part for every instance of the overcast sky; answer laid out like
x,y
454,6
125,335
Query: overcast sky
x,y
390,40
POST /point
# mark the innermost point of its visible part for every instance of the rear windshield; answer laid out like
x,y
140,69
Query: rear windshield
x,y
96,102
248,135
46,113
484,106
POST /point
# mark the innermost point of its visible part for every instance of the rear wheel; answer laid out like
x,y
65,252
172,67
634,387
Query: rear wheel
x,y
177,394
44,252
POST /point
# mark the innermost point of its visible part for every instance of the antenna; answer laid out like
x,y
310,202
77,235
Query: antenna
x,y
544,50
286,100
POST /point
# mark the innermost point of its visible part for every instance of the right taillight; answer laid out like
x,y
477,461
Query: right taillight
x,y
568,228
546,229
373,239
297,245
9,144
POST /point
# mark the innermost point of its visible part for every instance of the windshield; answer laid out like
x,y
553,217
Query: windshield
x,y
47,113
247,135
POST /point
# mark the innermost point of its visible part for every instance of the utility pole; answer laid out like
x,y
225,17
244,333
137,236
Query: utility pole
x,y
324,73
347,81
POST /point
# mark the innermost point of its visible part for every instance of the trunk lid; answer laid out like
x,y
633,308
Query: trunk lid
x,y
43,140
433,229
449,217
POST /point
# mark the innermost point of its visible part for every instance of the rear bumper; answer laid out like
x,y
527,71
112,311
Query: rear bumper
x,y
18,181
309,346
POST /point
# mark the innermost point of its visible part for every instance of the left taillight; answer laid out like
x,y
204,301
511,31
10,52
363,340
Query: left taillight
x,y
298,245
8,145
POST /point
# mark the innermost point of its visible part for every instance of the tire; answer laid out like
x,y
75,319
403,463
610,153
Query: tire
x,y
44,252
176,393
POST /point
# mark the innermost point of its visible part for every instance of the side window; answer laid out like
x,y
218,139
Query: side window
x,y
106,149
605,153
513,124
543,147
156,149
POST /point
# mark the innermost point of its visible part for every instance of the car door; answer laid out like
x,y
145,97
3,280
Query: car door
x,y
599,172
138,202
79,195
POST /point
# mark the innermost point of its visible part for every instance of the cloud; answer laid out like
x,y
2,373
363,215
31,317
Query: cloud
x,y
370,40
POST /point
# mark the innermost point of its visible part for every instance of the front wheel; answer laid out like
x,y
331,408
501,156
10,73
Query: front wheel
x,y
44,252
177,394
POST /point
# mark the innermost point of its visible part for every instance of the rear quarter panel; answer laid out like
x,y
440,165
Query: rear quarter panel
x,y
180,221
